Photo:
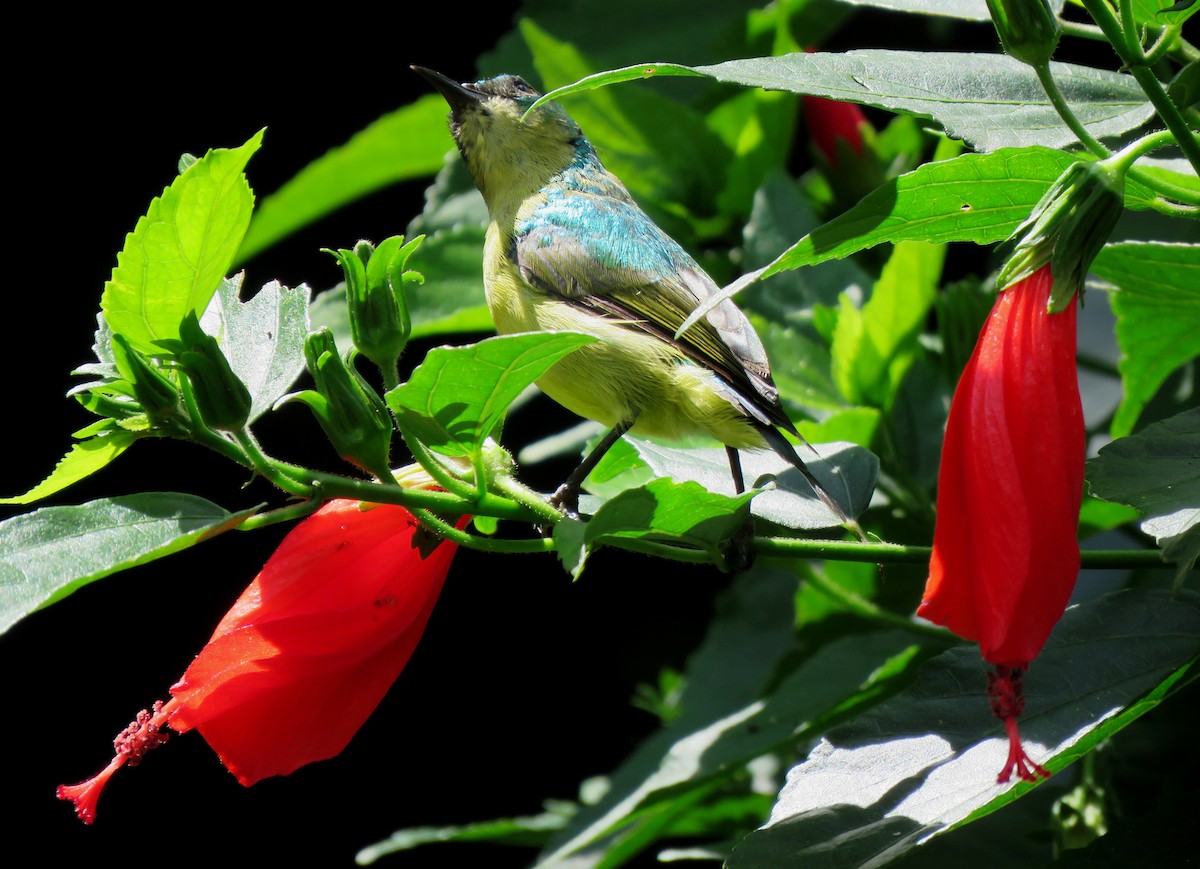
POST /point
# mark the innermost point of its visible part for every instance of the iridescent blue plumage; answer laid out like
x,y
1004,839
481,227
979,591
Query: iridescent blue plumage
x,y
568,248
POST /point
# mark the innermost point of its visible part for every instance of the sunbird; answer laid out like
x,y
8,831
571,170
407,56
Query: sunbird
x,y
568,248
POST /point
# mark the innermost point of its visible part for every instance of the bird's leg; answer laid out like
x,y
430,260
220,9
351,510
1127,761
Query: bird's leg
x,y
567,496
741,544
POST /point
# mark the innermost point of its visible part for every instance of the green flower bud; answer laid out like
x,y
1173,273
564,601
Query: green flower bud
x,y
154,391
375,279
223,400
1066,229
350,412
1028,29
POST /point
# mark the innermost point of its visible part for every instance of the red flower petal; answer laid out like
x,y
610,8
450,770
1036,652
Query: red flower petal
x,y
1005,555
831,120
313,644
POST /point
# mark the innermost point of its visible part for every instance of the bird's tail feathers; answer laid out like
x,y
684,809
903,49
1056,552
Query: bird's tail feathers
x,y
783,447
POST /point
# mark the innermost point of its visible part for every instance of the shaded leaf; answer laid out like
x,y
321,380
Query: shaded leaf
x,y
51,553
527,831
1158,317
1157,471
847,472
928,757
990,101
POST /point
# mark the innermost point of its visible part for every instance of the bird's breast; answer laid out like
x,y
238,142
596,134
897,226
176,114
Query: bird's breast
x,y
627,374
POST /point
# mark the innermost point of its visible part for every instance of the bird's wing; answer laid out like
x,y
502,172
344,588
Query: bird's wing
x,y
606,256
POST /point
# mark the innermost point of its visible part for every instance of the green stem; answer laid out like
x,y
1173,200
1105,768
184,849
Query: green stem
x,y
1050,86
863,607
474,541
277,472
1188,141
1082,31
283,514
894,553
439,472
1122,162
1165,39
332,486
513,488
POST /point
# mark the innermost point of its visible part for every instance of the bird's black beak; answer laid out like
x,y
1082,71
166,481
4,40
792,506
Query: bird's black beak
x,y
459,97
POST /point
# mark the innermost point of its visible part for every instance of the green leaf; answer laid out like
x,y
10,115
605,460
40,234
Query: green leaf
x,y
847,472
990,101
532,830
1157,471
84,459
781,215
927,758
737,706
51,553
1158,317
410,142
263,338
1156,14
457,396
749,634
979,198
180,250
666,511
968,10
874,347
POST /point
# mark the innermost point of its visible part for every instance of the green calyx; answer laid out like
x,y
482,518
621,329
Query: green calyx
x,y
157,394
222,399
375,279
350,412
1028,29
1066,229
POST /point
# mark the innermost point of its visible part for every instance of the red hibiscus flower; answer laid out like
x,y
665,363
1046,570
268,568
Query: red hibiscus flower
x,y
306,653
1005,555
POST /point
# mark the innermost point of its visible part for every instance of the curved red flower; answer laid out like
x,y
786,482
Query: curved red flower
x,y
306,653
1005,554
830,121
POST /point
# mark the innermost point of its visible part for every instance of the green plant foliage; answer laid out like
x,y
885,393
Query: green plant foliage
x,y
178,254
855,204
54,551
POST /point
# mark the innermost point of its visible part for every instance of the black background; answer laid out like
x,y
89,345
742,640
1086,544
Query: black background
x,y
519,689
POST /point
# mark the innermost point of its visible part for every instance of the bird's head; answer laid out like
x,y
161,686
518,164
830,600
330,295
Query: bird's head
x,y
506,152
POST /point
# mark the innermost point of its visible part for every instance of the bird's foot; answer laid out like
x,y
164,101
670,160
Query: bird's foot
x,y
739,552
566,499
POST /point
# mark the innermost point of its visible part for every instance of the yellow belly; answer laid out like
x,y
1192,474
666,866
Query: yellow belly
x,y
625,375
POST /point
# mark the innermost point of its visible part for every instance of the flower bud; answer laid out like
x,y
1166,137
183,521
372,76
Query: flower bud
x,y
1028,29
375,278
223,400
1066,229
350,412
157,394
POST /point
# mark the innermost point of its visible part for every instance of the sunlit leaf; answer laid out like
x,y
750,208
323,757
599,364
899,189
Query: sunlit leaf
x,y
51,553
182,248
457,397
263,337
